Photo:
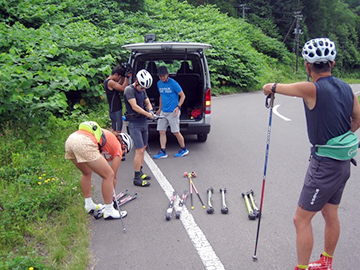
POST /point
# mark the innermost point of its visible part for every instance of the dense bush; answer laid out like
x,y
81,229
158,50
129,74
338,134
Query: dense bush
x,y
55,58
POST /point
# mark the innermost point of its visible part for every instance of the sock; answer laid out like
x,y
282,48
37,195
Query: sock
x,y
326,255
302,266
137,174
89,201
163,149
183,148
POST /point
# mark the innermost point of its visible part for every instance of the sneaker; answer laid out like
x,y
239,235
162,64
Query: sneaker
x,y
92,207
160,155
181,153
114,214
140,182
297,268
325,263
144,176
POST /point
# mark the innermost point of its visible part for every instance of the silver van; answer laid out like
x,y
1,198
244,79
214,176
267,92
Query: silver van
x,y
186,63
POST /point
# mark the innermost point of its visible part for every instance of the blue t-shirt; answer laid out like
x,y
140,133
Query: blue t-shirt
x,y
169,92
331,116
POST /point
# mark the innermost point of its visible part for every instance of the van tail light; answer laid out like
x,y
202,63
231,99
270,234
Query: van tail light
x,y
208,101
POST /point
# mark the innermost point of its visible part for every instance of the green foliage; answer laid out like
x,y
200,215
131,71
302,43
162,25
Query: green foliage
x,y
55,59
39,193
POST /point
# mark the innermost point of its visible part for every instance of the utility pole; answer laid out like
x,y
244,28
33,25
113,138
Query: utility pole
x,y
243,7
297,32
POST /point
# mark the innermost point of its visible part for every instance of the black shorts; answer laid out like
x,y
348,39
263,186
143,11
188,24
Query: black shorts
x,y
324,183
139,133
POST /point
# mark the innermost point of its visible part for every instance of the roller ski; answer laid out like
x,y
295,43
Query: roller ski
x,y
170,208
127,198
224,208
253,204
210,208
122,198
251,213
181,204
192,186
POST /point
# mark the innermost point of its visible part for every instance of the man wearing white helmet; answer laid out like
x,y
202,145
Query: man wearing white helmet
x,y
138,109
332,113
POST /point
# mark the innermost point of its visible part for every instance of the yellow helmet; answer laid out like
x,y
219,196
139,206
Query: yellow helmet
x,y
92,127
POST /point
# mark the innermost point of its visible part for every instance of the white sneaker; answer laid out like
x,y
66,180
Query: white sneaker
x,y
114,214
92,207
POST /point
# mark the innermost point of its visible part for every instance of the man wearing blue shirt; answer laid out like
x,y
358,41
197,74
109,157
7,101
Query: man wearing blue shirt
x,y
171,98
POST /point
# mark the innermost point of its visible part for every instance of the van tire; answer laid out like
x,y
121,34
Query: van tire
x,y
202,137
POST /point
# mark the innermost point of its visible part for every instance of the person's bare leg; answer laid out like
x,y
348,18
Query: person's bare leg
x,y
180,139
304,235
332,227
102,168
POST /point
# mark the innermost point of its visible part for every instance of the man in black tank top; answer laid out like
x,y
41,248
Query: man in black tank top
x,y
113,85
331,109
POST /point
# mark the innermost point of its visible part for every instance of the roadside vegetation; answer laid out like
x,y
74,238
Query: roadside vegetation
x,y
53,58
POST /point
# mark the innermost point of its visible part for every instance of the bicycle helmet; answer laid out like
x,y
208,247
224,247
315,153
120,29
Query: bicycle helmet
x,y
144,78
319,50
126,140
92,127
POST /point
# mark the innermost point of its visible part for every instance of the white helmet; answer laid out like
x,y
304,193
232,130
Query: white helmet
x,y
144,78
319,50
127,141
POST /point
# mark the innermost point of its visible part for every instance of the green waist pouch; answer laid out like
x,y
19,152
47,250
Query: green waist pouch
x,y
343,147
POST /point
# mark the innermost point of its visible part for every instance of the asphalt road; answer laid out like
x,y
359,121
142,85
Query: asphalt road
x,y
232,158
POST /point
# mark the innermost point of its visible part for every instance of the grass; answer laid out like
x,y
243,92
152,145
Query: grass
x,y
42,221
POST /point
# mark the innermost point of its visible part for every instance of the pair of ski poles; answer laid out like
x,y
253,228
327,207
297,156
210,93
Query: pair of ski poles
x,y
192,186
270,106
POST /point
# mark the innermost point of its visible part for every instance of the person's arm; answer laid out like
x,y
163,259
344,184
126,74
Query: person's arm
x,y
160,106
115,164
113,85
138,109
148,104
355,117
181,101
305,90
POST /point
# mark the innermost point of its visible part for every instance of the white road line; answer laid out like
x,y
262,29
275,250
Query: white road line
x,y
207,254
278,114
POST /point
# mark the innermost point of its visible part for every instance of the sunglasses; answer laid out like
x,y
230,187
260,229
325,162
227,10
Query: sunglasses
x,y
142,88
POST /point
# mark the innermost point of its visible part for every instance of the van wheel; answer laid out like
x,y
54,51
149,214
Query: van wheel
x,y
202,137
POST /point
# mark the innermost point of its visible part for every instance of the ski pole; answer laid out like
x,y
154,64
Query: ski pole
x,y
118,208
271,105
188,175
197,193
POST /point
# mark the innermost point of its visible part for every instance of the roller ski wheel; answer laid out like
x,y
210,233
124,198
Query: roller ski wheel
x,y
181,204
170,208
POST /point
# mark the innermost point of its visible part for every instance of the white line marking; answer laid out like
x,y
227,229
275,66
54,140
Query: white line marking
x,y
278,114
207,254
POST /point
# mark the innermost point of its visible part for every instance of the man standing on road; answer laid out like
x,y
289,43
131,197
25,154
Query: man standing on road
x,y
170,108
113,85
136,101
332,113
